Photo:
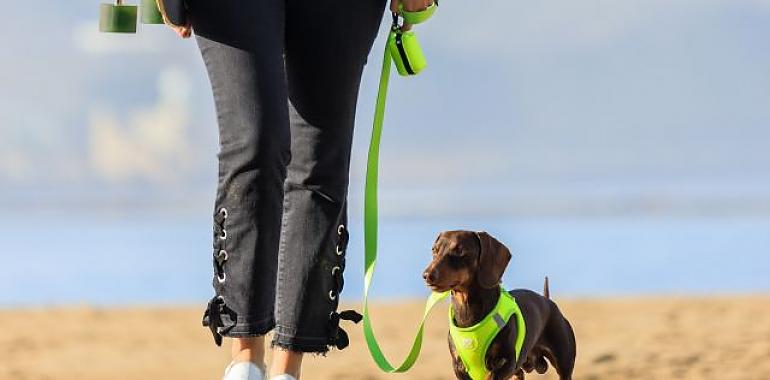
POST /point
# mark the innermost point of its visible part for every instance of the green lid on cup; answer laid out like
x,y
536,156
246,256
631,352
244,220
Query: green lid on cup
x,y
117,18
150,12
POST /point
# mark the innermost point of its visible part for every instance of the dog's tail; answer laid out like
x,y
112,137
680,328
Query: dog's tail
x,y
546,290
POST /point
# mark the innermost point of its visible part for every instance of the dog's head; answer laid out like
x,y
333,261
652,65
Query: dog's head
x,y
461,258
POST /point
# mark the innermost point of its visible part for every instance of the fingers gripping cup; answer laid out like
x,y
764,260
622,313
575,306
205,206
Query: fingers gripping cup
x,y
117,18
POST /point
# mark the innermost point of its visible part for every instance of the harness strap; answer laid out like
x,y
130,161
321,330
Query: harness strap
x,y
471,343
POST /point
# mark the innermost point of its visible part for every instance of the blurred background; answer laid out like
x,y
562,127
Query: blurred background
x,y
620,147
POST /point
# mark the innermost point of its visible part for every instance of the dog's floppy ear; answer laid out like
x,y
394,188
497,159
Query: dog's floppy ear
x,y
493,258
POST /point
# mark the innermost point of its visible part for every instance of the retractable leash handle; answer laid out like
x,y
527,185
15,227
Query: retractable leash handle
x,y
403,46
406,53
417,17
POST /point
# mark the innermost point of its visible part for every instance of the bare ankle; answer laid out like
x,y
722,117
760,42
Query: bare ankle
x,y
286,362
249,349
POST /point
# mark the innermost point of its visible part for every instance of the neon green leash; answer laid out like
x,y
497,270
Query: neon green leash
x,y
370,207
472,342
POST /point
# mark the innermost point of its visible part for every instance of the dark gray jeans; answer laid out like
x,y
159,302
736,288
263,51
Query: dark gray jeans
x,y
285,76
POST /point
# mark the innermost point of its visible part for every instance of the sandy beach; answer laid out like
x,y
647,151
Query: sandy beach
x,y
623,338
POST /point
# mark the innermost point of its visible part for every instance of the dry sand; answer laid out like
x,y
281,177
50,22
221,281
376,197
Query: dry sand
x,y
640,338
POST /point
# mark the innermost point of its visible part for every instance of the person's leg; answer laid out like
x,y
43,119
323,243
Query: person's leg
x,y
242,45
249,350
326,48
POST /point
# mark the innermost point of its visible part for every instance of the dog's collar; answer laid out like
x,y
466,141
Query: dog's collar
x,y
471,343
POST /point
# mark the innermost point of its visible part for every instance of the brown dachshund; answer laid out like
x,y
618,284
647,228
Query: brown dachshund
x,y
471,264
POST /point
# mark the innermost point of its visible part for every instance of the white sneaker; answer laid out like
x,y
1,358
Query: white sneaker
x,y
243,371
285,376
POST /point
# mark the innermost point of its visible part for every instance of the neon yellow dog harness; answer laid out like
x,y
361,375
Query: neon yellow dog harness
x,y
471,343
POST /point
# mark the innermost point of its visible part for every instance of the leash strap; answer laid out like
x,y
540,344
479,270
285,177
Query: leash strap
x,y
370,235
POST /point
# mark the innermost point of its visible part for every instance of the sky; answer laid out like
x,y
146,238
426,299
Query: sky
x,y
651,115
535,108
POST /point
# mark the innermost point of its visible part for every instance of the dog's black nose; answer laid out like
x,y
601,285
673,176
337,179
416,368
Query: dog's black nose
x,y
428,276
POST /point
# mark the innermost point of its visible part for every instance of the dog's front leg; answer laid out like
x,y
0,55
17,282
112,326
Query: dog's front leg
x,y
519,375
457,364
505,369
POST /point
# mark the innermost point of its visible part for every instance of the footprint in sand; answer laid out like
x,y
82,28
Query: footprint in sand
x,y
605,358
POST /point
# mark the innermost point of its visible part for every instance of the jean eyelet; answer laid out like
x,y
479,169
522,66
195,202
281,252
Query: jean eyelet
x,y
223,234
340,229
338,251
223,212
335,270
223,278
332,295
222,255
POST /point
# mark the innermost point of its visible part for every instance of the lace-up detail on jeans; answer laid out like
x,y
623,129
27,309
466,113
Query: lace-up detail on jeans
x,y
216,307
220,237
338,336
339,250
212,318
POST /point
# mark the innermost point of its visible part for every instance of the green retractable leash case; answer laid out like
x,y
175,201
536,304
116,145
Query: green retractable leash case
x,y
122,18
403,46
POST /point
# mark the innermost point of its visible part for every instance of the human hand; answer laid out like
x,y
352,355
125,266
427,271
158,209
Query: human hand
x,y
409,6
183,31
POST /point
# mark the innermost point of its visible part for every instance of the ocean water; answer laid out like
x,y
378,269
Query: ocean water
x,y
166,260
